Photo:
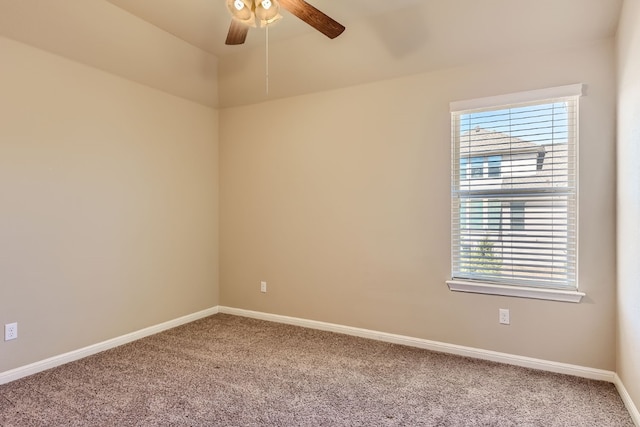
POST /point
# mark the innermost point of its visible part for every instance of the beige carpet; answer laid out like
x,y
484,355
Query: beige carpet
x,y
232,371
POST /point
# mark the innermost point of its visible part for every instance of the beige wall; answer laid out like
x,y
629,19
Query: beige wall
x,y
109,205
340,201
629,199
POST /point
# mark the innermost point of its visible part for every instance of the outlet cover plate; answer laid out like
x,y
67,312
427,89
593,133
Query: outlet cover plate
x,y
504,316
10,331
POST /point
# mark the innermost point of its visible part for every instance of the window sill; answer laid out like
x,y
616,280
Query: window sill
x,y
515,291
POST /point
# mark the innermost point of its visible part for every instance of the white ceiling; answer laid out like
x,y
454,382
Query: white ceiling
x,y
204,23
178,45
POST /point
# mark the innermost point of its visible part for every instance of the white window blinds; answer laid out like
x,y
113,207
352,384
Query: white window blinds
x,y
514,189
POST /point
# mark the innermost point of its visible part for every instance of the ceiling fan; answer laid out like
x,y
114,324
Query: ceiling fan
x,y
251,13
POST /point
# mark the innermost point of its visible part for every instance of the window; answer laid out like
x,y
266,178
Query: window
x,y
477,167
514,194
463,168
517,216
494,166
481,214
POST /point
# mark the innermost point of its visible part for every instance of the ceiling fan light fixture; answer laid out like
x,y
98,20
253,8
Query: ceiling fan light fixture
x,y
250,13
267,11
242,10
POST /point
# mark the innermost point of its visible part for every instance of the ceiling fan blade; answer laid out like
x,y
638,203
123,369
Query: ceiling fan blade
x,y
237,33
313,17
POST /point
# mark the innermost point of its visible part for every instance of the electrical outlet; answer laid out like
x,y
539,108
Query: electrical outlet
x,y
263,286
10,331
503,316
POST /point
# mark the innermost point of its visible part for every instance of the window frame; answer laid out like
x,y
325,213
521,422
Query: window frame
x,y
483,286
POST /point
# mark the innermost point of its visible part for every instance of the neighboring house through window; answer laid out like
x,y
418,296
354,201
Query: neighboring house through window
x,y
514,200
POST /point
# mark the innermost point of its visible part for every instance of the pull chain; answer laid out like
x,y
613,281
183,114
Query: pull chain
x,y
267,61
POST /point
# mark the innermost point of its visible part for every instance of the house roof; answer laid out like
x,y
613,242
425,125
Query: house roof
x,y
551,161
480,141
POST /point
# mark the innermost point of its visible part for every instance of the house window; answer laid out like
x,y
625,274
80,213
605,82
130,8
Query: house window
x,y
464,163
494,166
514,232
517,216
477,167
491,164
481,215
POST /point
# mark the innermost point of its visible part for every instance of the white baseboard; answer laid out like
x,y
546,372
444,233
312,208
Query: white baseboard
x,y
61,359
626,398
527,362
